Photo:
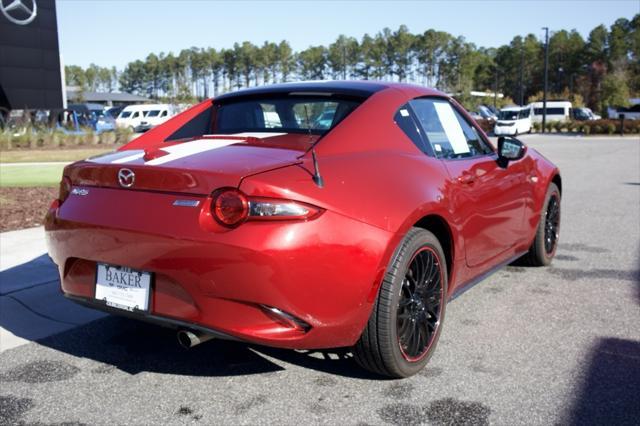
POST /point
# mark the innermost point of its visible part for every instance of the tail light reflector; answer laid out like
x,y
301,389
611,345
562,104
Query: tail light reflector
x,y
286,319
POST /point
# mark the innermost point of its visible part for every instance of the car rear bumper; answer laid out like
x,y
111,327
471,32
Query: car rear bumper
x,y
324,272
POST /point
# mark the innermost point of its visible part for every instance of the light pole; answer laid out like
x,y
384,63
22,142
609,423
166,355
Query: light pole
x,y
344,61
546,78
522,74
495,90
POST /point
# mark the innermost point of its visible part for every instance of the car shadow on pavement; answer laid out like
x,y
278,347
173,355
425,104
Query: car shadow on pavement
x,y
337,361
134,347
32,306
609,390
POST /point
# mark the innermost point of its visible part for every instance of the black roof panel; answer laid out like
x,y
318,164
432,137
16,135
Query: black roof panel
x,y
361,89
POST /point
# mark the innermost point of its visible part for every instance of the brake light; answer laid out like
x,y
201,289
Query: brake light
x,y
65,189
230,207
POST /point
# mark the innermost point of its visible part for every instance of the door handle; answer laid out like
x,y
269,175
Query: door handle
x,y
466,178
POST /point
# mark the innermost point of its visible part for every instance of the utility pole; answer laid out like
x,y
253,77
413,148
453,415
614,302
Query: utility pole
x,y
546,78
344,62
522,74
495,89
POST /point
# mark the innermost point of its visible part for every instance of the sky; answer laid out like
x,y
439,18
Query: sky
x,y
115,32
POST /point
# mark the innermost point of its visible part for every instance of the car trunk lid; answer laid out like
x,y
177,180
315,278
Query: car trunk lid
x,y
196,166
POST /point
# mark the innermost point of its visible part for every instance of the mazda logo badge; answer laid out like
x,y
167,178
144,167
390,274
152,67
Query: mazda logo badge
x,y
126,178
18,11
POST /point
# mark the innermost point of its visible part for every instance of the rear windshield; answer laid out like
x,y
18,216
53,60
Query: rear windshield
x,y
289,114
283,114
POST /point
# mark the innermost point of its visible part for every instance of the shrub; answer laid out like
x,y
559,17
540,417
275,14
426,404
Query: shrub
x,y
123,135
536,126
611,128
5,140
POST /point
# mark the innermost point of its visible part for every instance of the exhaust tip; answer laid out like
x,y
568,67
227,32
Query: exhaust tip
x,y
188,339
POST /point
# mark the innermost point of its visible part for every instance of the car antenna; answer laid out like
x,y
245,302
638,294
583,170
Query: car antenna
x,y
317,178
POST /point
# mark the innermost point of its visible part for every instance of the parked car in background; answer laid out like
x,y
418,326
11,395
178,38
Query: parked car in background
x,y
94,117
131,116
513,121
325,120
487,113
584,114
483,112
304,236
631,113
156,114
115,111
556,111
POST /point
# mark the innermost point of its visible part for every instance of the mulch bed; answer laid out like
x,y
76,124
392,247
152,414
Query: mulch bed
x,y
24,207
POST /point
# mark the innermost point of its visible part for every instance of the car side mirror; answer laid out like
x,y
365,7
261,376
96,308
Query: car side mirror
x,y
510,149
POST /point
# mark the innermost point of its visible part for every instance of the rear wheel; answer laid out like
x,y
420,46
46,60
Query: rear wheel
x,y
406,320
545,243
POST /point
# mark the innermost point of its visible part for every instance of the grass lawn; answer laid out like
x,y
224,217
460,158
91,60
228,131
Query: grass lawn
x,y
31,176
43,155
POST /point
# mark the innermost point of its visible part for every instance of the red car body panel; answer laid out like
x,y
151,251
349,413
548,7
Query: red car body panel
x,y
325,271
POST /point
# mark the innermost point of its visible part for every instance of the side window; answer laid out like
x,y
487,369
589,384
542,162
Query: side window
x,y
135,115
405,120
446,130
164,113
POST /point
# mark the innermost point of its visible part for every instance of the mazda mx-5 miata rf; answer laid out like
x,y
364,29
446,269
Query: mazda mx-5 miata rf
x,y
306,216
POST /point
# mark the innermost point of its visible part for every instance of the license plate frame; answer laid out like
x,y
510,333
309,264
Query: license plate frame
x,y
123,288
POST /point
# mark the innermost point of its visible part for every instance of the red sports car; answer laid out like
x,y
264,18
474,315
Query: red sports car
x,y
308,215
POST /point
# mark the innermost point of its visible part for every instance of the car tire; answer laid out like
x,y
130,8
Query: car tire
x,y
400,313
545,243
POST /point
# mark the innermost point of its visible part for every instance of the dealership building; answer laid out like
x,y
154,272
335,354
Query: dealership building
x,y
30,68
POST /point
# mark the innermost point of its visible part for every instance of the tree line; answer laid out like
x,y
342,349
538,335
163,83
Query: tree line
x,y
601,70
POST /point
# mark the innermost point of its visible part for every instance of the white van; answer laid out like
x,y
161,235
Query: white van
x,y
556,111
131,116
156,114
513,121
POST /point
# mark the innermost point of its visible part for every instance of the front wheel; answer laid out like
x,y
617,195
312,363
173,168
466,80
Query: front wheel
x,y
406,320
545,242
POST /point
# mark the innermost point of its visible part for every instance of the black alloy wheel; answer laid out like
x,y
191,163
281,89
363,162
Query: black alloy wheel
x,y
407,317
420,304
552,224
545,243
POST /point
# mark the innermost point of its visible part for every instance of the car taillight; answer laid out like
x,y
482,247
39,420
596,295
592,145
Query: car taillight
x,y
230,207
65,189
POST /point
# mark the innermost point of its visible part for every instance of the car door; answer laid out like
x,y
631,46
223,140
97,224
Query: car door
x,y
487,199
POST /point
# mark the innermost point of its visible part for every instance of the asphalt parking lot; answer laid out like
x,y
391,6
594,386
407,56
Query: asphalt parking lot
x,y
534,346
